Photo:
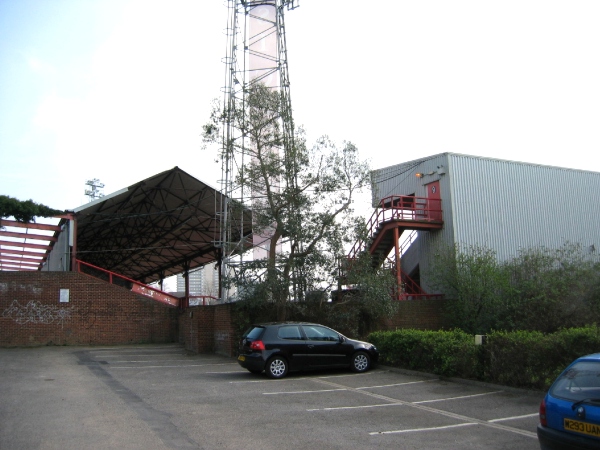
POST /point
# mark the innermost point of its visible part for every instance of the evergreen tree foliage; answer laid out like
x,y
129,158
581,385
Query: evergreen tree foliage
x,y
24,211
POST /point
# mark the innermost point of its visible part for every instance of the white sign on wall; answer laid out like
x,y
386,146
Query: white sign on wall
x,y
64,296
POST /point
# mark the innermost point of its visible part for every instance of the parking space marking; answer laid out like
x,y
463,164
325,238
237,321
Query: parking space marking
x,y
248,381
423,429
304,392
353,375
268,380
457,398
339,408
121,361
395,384
504,419
398,402
226,373
110,366
159,422
136,348
116,355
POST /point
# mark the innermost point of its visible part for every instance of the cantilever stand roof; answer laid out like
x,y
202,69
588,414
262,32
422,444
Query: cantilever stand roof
x,y
153,228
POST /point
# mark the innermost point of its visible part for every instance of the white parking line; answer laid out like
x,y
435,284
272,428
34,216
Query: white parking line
x,y
303,392
353,375
131,355
456,398
252,381
136,348
451,426
120,361
504,419
398,402
423,429
166,367
340,408
396,384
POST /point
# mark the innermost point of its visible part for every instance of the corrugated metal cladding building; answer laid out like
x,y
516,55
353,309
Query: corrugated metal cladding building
x,y
502,205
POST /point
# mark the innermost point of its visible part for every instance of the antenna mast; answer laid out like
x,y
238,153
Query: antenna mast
x,y
256,53
96,189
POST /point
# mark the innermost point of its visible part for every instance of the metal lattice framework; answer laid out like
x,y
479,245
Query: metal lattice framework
x,y
153,229
256,53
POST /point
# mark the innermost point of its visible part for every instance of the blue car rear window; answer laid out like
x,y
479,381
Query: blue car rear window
x,y
580,381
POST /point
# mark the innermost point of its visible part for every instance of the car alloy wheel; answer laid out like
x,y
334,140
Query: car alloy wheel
x,y
360,362
277,367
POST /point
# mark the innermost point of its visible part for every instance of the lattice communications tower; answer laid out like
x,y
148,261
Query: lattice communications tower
x,y
256,53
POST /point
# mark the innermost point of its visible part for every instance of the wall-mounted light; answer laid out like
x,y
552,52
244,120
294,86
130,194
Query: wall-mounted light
x,y
441,170
419,175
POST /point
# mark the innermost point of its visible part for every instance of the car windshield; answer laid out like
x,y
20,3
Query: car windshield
x,y
580,382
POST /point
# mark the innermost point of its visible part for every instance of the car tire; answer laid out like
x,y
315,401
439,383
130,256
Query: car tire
x,y
361,362
277,367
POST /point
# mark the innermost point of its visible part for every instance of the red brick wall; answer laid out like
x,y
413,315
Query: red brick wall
x,y
212,329
208,329
102,314
97,313
423,314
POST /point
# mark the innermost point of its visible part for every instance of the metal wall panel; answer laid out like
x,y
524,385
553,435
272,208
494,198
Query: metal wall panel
x,y
503,205
59,258
508,206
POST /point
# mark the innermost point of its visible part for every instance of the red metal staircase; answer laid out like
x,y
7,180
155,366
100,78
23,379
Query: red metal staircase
x,y
393,216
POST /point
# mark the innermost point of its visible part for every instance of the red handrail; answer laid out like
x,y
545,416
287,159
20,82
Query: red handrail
x,y
133,285
400,208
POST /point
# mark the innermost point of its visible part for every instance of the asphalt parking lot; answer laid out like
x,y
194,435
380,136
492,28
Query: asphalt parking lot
x,y
161,397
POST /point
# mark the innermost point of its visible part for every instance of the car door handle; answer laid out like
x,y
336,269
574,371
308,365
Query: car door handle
x,y
311,346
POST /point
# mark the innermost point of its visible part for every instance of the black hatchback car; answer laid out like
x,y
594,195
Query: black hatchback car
x,y
279,348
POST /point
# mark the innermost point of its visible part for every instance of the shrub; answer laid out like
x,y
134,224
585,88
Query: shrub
x,y
446,353
523,359
532,359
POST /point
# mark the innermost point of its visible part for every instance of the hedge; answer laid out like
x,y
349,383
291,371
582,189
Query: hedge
x,y
524,359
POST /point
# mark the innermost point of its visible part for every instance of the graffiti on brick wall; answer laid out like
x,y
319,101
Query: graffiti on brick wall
x,y
30,288
35,312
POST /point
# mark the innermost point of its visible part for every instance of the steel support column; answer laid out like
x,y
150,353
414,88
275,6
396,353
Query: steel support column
x,y
397,255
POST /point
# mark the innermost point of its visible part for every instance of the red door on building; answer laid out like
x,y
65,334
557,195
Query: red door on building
x,y
434,201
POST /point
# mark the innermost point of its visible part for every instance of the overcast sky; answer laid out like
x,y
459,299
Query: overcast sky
x,y
118,89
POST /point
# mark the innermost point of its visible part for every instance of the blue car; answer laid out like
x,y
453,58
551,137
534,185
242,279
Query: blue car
x,y
570,411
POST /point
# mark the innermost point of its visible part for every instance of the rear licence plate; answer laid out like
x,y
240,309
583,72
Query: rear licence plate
x,y
582,427
241,358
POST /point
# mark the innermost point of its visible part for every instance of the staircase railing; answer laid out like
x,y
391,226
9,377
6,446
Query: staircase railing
x,y
399,208
128,283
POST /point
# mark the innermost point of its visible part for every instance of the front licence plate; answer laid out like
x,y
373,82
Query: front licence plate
x,y
242,358
582,427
